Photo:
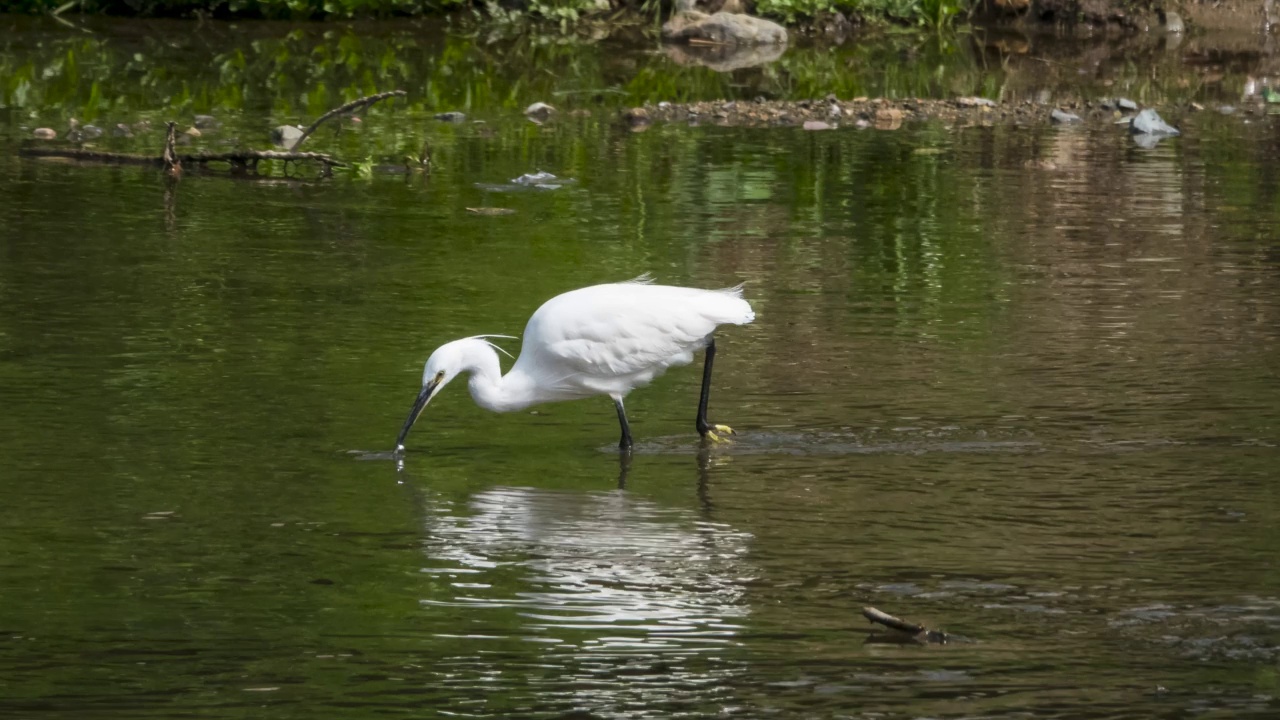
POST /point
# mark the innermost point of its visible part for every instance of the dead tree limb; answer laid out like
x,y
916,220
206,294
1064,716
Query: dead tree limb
x,y
910,632
350,107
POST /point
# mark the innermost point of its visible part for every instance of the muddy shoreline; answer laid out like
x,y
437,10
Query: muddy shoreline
x,y
889,114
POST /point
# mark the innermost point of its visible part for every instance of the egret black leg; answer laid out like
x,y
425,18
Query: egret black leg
x,y
625,443
703,426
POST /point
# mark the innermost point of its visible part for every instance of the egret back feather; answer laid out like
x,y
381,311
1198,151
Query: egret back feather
x,y
610,339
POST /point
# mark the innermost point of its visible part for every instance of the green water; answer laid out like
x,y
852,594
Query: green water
x,y
1036,407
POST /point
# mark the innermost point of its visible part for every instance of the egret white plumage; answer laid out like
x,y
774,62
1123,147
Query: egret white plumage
x,y
599,340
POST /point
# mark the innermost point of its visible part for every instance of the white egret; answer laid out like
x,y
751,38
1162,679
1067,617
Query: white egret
x,y
599,340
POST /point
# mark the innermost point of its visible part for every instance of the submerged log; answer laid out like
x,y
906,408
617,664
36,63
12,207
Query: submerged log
x,y
903,631
238,158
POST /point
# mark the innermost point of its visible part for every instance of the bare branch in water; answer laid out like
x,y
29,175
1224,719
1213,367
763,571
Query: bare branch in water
x,y
350,107
909,632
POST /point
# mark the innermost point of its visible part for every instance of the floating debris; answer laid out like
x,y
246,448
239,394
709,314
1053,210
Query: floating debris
x,y
529,181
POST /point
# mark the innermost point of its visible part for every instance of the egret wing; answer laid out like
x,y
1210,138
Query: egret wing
x,y
598,337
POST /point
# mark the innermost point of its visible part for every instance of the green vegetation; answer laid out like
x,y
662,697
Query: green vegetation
x,y
933,13
921,12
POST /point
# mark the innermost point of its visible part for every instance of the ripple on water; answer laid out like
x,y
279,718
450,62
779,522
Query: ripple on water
x,y
898,441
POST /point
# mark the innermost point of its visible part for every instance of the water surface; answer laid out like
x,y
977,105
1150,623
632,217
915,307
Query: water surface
x,y
1033,403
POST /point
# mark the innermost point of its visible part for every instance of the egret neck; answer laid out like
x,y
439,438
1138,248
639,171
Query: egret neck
x,y
491,389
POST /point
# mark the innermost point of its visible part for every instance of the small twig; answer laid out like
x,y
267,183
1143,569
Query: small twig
x,y
350,107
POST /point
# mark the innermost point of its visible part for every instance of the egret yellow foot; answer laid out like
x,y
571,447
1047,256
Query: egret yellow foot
x,y
725,429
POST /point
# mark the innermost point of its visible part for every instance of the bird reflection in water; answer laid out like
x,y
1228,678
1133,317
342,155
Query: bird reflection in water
x,y
610,591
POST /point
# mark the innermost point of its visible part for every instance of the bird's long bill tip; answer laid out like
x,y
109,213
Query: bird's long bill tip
x,y
419,404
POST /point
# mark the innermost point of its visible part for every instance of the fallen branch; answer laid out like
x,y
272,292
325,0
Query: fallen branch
x,y
172,162
240,158
906,632
350,107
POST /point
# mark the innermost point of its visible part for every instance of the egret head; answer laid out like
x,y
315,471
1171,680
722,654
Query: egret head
x,y
443,366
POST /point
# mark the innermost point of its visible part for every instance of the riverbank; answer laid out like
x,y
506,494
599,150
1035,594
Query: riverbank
x,y
891,113
799,15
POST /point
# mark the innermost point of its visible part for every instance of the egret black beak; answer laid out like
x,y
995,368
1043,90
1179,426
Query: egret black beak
x,y
419,405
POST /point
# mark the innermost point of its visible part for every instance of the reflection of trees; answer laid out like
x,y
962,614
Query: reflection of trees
x,y
616,602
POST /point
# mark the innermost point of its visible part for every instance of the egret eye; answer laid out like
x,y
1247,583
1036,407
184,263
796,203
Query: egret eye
x,y
439,376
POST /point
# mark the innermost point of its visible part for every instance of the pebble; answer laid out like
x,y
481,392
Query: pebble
x,y
44,133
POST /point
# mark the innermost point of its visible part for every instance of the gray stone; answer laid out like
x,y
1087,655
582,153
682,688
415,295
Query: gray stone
x,y
286,136
1227,110
1148,122
1126,104
539,111
1062,117
1172,22
44,133
451,117
206,122
725,28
